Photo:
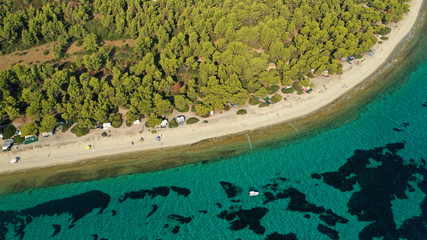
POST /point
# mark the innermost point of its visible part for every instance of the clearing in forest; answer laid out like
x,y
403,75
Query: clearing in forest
x,y
43,53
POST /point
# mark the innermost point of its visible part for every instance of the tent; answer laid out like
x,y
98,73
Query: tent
x,y
106,125
180,120
164,123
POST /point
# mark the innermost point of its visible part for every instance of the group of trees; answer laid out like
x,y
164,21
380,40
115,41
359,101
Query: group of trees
x,y
206,53
30,26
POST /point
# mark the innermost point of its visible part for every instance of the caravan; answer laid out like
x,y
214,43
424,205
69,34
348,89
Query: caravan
x,y
7,144
180,119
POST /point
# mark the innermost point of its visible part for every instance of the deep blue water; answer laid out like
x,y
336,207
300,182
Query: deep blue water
x,y
362,180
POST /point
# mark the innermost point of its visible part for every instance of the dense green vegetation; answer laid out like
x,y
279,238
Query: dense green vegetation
x,y
8,132
263,104
241,112
173,124
206,54
273,89
192,120
287,90
276,98
254,101
79,131
27,24
65,127
18,139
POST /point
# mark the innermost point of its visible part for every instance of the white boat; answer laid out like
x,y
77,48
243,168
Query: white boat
x,y
14,160
253,193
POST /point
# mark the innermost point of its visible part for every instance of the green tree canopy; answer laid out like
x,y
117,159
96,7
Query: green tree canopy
x,y
29,129
90,42
48,124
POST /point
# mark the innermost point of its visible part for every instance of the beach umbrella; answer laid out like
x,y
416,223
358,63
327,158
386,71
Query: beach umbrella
x,y
88,147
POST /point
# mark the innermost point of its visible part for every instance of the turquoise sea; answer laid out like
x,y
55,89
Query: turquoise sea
x,y
365,179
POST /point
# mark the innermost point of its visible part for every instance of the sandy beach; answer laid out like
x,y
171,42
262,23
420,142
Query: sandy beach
x,y
66,148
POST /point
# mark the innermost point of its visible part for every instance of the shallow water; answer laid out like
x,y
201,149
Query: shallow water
x,y
362,178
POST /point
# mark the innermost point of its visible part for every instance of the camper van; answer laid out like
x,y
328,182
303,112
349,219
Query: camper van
x,y
7,144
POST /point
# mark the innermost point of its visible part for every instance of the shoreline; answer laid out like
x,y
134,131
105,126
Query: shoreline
x,y
71,149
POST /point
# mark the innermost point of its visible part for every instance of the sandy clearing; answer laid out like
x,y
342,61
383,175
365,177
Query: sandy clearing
x,y
35,55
